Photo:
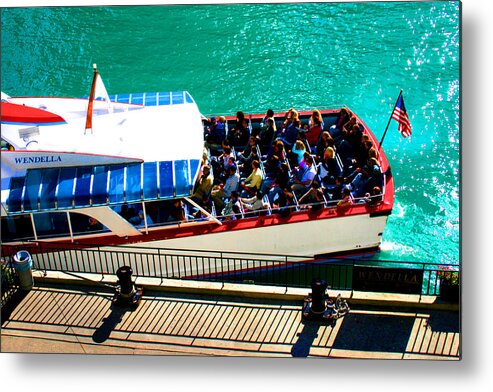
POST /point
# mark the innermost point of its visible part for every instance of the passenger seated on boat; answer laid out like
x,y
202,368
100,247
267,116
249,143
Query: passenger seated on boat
x,y
277,149
281,205
130,214
359,182
246,154
315,126
376,177
314,195
246,167
280,183
302,137
239,135
290,134
253,182
147,219
296,155
336,129
301,185
269,115
93,225
348,126
346,200
222,191
328,169
298,171
343,117
177,211
254,203
204,185
290,116
271,169
354,137
232,210
221,163
324,142
334,192
267,134
374,165
206,205
374,198
217,130
346,153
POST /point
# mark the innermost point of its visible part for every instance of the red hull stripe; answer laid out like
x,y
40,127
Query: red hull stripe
x,y
13,113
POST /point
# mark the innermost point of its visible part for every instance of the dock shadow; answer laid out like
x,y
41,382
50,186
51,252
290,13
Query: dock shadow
x,y
102,333
306,337
366,332
441,321
11,303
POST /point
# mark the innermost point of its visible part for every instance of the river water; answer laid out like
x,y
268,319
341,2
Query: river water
x,y
252,57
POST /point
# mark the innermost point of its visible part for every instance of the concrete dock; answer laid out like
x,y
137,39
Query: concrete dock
x,y
203,319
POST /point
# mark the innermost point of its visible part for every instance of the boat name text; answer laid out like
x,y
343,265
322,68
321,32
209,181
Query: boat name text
x,y
40,159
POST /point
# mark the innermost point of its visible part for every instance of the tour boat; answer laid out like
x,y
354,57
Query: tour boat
x,y
70,166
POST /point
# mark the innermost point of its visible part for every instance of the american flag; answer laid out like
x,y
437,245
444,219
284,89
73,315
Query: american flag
x,y
400,115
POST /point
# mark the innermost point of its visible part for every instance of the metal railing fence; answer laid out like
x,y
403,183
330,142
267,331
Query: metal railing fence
x,y
217,266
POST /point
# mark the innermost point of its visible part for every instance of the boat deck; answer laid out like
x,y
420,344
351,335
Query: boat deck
x,y
81,319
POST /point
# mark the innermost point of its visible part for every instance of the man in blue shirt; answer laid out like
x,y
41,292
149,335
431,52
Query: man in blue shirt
x,y
217,130
302,185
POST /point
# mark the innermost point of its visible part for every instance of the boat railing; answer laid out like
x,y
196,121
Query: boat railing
x,y
300,109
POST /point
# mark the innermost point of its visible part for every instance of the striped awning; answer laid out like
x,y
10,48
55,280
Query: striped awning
x,y
65,188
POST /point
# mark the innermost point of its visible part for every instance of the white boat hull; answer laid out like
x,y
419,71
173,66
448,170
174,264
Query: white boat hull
x,y
307,238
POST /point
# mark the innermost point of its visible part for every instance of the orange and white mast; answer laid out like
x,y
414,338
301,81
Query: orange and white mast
x,y
91,100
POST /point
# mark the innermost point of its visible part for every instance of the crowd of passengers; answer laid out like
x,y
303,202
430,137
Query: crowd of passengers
x,y
254,168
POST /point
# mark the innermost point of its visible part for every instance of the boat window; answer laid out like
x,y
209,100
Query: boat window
x,y
164,98
182,180
17,228
188,98
51,224
137,99
83,224
6,146
116,187
99,191
133,183
66,187
15,195
48,188
166,179
31,192
150,99
150,180
177,97
82,186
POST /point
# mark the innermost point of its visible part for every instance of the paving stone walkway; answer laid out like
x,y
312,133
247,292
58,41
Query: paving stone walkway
x,y
83,320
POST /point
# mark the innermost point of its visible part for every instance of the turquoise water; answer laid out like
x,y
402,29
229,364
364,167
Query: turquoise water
x,y
252,57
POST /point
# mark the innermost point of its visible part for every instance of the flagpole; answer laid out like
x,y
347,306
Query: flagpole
x,y
91,100
390,119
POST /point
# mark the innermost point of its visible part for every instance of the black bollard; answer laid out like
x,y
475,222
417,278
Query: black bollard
x,y
318,296
124,275
127,293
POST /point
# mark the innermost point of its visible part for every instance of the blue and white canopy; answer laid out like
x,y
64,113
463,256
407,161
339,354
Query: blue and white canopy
x,y
66,188
147,147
